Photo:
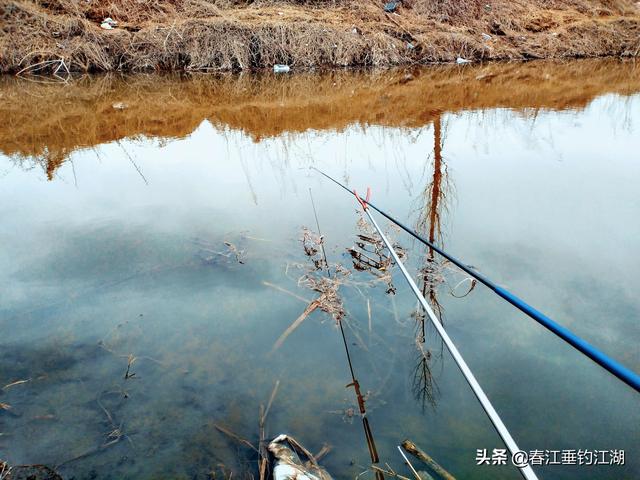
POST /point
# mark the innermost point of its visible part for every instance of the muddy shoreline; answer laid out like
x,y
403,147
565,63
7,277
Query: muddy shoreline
x,y
185,35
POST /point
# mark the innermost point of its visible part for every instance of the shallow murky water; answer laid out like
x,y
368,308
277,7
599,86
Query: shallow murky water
x,y
151,257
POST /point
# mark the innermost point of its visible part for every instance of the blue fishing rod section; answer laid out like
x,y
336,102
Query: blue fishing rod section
x,y
616,368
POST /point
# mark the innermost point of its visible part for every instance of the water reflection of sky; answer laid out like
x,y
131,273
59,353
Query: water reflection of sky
x,y
546,204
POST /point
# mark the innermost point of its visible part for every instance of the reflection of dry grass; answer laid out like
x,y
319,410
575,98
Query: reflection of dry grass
x,y
241,34
51,121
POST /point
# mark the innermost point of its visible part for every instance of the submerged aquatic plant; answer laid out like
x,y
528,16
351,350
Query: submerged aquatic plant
x,y
210,253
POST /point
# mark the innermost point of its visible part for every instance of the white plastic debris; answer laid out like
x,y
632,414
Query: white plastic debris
x,y
486,37
109,23
461,60
294,462
119,106
278,68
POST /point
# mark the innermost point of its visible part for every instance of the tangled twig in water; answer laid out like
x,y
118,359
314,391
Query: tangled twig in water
x,y
329,300
369,254
312,245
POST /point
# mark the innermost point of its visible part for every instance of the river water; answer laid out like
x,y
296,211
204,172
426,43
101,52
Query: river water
x,y
151,256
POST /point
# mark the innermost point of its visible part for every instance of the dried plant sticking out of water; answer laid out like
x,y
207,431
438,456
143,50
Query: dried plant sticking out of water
x,y
329,300
371,258
211,254
130,361
322,278
312,245
115,434
327,285
369,254
262,450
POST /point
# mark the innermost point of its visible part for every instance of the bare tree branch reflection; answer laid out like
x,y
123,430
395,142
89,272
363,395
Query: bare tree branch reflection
x,y
434,204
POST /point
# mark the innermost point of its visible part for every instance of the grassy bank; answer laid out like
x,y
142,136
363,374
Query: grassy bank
x,y
234,35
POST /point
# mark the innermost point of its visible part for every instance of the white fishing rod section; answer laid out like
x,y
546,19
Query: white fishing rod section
x,y
526,471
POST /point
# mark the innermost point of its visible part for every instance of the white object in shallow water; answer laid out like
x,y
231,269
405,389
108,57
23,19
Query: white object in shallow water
x,y
461,60
294,462
277,68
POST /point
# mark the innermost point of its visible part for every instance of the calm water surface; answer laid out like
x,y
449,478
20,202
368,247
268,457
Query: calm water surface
x,y
117,197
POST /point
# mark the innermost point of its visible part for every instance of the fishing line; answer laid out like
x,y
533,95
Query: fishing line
x,y
371,445
623,373
324,253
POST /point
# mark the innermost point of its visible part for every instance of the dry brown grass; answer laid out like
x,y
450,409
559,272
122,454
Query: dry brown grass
x,y
234,35
50,121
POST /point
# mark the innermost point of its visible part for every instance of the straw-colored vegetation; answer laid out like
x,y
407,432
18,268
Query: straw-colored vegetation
x,y
50,121
241,34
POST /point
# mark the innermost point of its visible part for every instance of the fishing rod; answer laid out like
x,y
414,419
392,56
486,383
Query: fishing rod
x,y
623,373
526,471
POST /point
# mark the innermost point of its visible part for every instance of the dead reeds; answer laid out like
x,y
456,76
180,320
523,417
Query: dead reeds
x,y
261,447
325,278
199,35
369,253
329,300
263,106
115,434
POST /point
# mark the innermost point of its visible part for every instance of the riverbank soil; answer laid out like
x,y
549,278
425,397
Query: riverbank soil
x,y
60,35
